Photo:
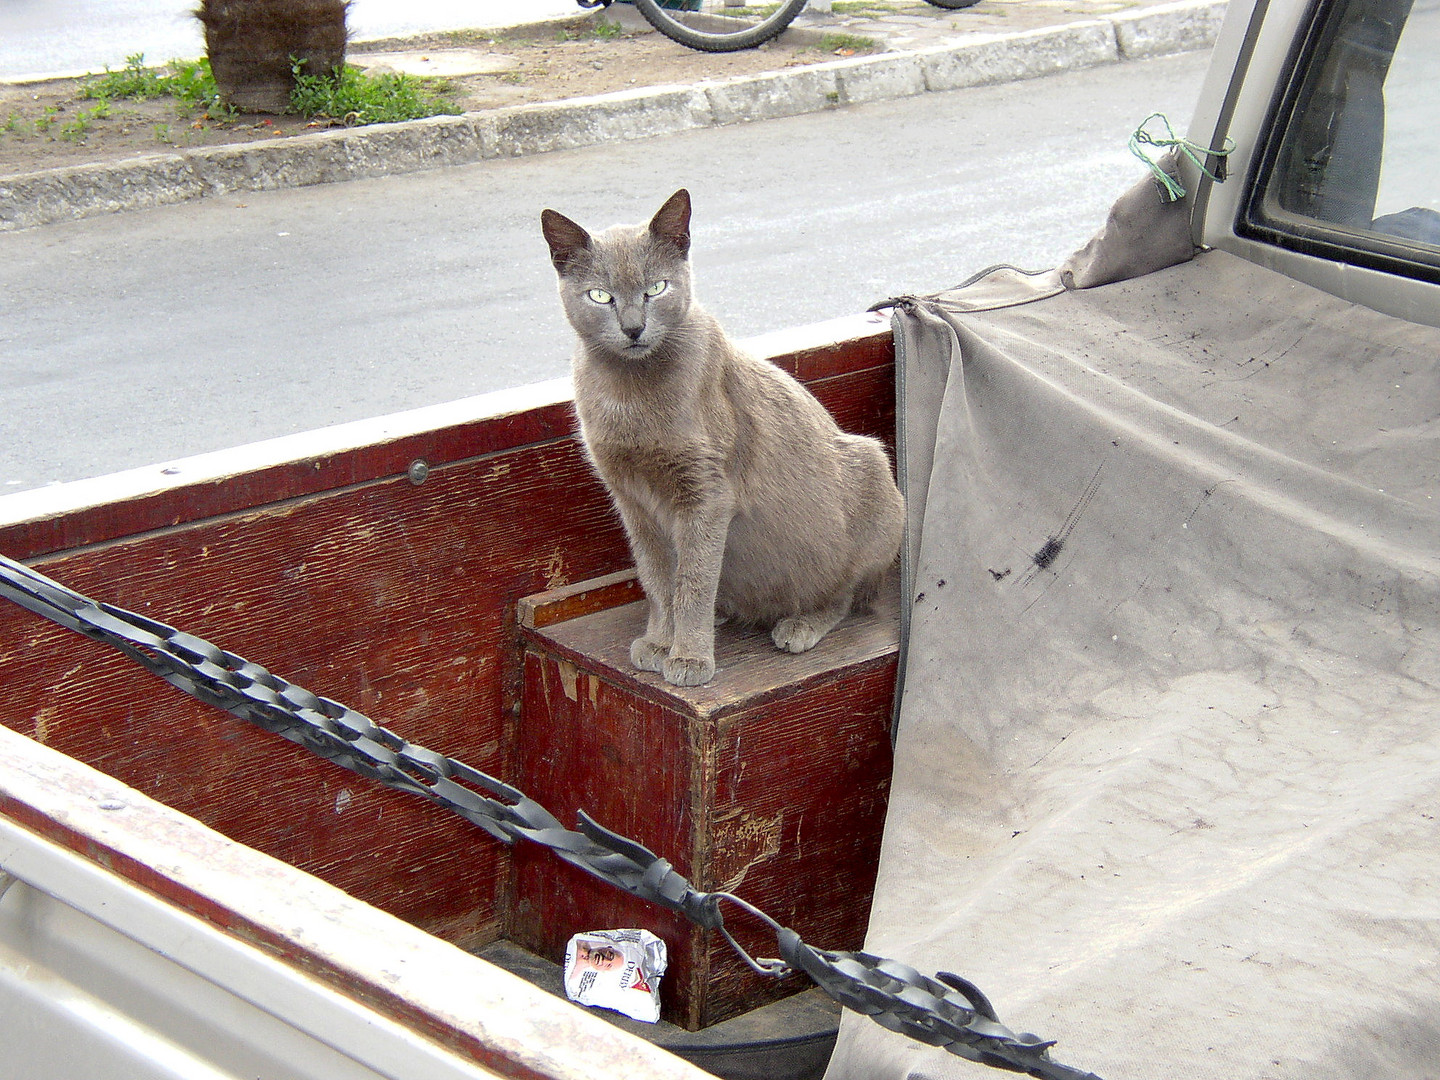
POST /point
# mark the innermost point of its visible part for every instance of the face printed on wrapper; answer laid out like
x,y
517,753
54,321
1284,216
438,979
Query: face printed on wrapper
x,y
598,957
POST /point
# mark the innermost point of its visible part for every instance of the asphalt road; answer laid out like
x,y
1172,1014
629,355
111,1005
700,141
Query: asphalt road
x,y
137,338
42,37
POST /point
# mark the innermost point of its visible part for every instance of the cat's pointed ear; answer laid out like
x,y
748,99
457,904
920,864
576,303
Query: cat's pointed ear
x,y
566,239
671,222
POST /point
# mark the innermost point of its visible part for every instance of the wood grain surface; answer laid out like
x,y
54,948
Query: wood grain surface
x,y
399,599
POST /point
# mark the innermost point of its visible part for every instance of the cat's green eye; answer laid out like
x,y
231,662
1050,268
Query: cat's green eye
x,y
600,296
657,288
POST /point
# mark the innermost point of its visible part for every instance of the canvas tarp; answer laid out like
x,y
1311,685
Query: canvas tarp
x,y
1167,781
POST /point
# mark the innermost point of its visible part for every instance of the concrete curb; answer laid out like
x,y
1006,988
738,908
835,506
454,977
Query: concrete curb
x,y
68,194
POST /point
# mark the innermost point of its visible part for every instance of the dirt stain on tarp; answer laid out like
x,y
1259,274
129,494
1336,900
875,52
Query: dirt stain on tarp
x,y
1055,543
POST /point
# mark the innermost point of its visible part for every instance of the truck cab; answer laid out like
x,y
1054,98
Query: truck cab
x,y
1330,108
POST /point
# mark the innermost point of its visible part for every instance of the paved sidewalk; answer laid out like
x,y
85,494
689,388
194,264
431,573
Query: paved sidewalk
x,y
933,51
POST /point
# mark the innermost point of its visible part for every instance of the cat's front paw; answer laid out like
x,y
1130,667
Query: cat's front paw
x,y
798,633
688,670
647,654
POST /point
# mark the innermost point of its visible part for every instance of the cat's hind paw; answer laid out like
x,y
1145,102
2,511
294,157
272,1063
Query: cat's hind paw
x,y
799,633
647,654
688,670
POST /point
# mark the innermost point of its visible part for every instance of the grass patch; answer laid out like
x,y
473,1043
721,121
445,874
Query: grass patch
x,y
847,43
748,12
468,37
351,95
76,130
601,31
189,82
864,9
134,81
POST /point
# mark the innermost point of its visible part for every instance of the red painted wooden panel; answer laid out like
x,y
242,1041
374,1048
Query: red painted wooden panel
x,y
814,354
344,577
286,480
393,598
770,781
614,756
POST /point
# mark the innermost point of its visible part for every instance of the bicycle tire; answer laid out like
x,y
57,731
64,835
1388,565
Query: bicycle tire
x,y
953,5
701,24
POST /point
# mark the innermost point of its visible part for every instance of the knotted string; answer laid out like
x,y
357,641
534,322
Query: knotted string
x,y
1173,190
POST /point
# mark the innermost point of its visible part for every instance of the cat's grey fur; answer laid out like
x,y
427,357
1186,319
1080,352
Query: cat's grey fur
x,y
740,496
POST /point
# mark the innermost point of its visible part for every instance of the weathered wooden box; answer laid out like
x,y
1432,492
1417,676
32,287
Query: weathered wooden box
x,y
770,782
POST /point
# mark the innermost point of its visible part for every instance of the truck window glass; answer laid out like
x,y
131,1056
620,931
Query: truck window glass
x,y
1351,170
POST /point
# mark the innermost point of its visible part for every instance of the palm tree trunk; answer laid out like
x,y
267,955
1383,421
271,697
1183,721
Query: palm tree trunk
x,y
252,45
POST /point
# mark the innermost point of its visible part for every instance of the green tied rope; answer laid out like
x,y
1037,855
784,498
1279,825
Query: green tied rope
x,y
1172,190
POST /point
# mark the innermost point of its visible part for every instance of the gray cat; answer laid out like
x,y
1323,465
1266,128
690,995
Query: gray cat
x,y
739,495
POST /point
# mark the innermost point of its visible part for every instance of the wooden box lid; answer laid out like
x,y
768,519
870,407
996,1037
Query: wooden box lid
x,y
591,624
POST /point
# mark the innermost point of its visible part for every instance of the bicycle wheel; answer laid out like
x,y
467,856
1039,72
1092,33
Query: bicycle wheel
x,y
720,25
953,5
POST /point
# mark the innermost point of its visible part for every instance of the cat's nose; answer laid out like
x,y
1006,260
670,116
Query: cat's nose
x,y
634,332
